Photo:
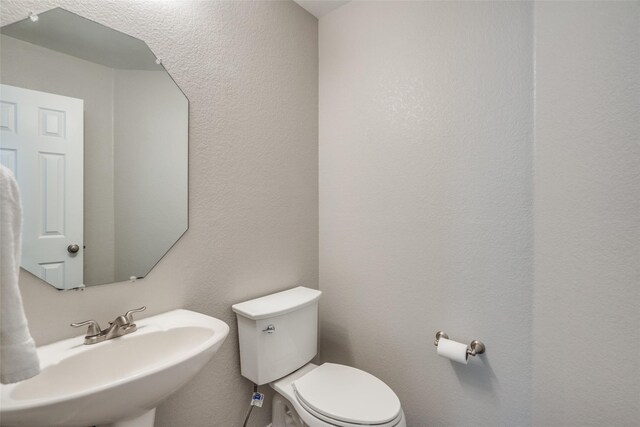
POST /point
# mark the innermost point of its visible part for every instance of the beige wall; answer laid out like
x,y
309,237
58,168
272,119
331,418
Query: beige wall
x,y
586,339
33,67
458,193
250,73
425,202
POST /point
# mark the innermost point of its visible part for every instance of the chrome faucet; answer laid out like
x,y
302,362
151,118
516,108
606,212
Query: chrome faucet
x,y
122,325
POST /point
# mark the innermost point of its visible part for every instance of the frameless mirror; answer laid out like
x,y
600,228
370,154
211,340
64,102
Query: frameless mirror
x,y
96,133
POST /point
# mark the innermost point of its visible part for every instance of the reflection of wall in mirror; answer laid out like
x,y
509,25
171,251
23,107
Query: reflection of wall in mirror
x,y
33,67
150,179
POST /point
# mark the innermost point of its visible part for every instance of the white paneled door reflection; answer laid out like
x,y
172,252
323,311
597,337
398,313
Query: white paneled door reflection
x,y
42,143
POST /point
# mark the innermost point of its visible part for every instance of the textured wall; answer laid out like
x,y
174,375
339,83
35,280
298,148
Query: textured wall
x,y
587,214
429,218
425,202
33,67
250,73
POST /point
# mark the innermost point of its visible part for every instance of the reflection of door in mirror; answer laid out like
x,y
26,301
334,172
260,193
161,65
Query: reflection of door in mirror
x,y
42,143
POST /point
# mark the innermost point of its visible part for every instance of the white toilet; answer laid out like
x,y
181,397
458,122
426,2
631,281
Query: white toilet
x,y
278,337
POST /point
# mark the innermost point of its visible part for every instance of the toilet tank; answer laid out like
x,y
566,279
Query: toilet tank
x,y
278,333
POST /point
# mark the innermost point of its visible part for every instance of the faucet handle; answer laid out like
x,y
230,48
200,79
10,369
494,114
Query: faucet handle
x,y
92,331
129,314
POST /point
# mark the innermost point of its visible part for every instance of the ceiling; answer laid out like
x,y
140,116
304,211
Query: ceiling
x,y
320,8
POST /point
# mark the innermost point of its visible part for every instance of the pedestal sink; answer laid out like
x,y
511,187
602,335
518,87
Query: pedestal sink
x,y
118,382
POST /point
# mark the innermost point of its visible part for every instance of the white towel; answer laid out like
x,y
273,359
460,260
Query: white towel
x,y
18,356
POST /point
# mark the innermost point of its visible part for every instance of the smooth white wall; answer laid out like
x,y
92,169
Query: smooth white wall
x,y
150,168
34,67
250,71
587,214
426,121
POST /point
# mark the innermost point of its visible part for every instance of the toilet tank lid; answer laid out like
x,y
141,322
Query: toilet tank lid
x,y
277,304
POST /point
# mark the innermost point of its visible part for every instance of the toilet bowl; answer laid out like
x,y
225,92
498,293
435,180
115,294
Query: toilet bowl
x,y
278,338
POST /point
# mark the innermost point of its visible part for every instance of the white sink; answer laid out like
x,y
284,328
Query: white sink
x,y
119,381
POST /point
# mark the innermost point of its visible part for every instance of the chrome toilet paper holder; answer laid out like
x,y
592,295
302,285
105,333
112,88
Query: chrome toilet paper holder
x,y
474,348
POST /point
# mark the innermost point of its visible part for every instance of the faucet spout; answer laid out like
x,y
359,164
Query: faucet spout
x,y
120,326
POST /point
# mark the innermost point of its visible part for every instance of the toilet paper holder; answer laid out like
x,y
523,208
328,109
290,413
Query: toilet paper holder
x,y
474,348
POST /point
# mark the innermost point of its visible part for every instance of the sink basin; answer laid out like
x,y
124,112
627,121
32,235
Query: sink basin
x,y
117,382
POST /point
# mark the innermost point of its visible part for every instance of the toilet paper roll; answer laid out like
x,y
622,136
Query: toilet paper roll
x,y
453,350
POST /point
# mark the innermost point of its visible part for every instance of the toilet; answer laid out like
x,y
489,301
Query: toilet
x,y
278,336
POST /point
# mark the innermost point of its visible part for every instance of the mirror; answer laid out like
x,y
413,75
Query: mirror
x,y
96,132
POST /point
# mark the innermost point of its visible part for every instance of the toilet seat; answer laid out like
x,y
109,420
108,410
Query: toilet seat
x,y
345,396
333,422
